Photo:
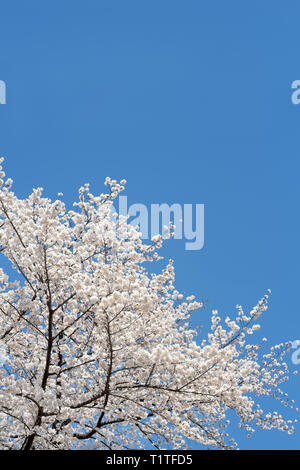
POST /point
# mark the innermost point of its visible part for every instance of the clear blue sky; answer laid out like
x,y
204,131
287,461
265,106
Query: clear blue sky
x,y
190,102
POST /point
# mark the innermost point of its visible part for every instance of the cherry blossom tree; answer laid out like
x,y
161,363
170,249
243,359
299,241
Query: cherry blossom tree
x,y
97,353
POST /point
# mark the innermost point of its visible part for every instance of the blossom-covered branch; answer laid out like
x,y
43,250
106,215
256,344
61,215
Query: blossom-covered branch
x,y
98,352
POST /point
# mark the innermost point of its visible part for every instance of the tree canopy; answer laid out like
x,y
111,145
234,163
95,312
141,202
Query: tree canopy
x,y
97,352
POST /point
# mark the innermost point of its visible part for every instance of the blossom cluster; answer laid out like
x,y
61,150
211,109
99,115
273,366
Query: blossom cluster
x,y
97,352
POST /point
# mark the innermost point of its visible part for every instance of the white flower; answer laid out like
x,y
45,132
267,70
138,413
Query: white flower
x,y
93,344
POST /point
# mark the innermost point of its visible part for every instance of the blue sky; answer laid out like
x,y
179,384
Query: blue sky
x,y
191,103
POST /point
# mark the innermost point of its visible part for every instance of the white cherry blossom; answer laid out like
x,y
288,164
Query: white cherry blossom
x,y
97,352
